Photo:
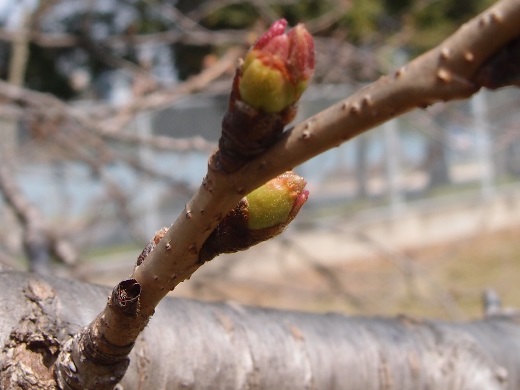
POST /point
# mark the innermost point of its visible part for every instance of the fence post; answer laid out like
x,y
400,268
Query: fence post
x,y
393,166
483,144
151,220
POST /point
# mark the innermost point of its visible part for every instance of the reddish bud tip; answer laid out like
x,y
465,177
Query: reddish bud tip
x,y
276,202
261,215
301,56
277,68
276,29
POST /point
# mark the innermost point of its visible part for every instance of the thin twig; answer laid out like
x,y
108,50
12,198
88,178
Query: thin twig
x,y
40,243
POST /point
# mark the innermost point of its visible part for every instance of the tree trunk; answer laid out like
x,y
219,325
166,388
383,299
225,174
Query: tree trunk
x,y
196,345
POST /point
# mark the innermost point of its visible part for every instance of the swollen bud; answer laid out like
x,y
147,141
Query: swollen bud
x,y
277,69
276,202
264,96
259,216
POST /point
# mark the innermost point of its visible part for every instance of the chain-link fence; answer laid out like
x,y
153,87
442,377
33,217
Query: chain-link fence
x,y
468,146
427,177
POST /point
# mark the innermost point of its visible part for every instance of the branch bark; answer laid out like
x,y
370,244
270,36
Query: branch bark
x,y
444,73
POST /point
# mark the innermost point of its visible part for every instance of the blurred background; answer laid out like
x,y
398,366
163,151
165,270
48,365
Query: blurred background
x,y
110,109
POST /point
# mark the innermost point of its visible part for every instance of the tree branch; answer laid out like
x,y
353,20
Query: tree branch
x,y
446,72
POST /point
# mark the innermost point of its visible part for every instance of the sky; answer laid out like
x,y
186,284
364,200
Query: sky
x,y
11,11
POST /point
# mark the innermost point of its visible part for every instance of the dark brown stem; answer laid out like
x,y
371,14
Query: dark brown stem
x,y
247,132
97,357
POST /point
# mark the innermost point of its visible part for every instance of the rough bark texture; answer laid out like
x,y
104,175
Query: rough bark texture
x,y
195,345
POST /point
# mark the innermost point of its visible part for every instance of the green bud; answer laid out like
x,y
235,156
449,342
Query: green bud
x,y
273,203
265,87
259,216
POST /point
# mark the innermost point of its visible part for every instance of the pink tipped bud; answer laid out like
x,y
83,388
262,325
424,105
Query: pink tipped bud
x,y
276,29
277,69
261,215
301,57
277,202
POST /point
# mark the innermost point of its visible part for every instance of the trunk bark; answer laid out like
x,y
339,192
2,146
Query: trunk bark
x,y
195,345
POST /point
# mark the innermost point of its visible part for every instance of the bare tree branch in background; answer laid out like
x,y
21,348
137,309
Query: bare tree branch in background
x,y
81,134
40,242
108,122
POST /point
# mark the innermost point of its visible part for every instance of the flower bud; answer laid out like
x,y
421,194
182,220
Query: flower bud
x,y
277,69
259,216
264,95
276,202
